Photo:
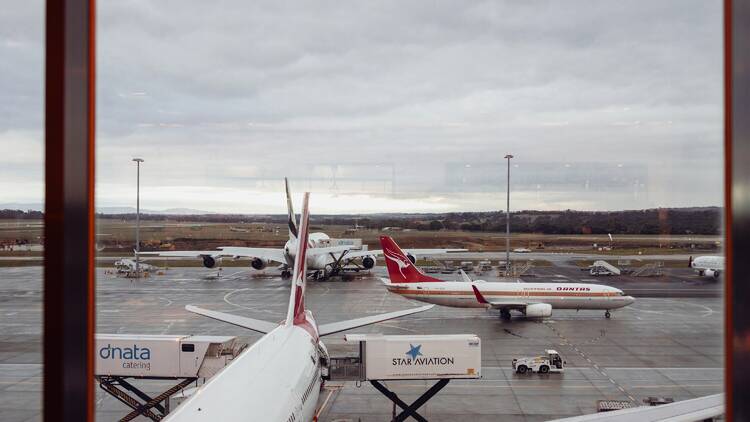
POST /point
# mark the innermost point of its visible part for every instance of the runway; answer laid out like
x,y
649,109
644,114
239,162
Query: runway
x,y
667,344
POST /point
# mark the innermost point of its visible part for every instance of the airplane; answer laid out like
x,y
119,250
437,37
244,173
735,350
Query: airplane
x,y
534,300
323,259
708,266
126,265
278,378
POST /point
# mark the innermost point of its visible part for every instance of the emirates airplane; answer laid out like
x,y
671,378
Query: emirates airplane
x,y
323,258
531,299
279,377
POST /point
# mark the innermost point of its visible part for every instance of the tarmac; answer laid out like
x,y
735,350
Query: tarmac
x,y
668,344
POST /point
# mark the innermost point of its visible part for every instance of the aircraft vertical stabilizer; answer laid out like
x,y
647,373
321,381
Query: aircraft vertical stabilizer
x,y
296,313
292,221
400,267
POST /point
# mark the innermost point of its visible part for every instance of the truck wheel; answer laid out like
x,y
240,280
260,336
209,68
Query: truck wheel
x,y
543,369
521,369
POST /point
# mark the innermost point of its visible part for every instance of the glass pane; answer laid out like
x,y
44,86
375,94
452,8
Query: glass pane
x,y
414,120
21,207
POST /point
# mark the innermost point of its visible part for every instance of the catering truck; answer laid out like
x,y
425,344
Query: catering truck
x,y
404,357
163,356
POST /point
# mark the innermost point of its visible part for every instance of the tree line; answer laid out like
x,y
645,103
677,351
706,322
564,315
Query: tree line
x,y
706,220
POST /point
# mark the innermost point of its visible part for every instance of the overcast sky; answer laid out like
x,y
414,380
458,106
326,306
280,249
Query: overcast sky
x,y
386,106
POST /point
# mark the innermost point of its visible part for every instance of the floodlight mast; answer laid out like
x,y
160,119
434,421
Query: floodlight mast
x,y
507,221
138,162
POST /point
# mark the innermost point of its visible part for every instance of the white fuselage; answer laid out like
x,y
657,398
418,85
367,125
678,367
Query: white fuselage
x,y
314,262
279,375
559,296
714,263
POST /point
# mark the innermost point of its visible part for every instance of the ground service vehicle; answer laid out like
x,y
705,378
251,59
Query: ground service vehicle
x,y
551,362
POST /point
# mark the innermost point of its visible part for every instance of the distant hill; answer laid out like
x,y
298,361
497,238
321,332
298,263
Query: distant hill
x,y
693,220
109,210
169,211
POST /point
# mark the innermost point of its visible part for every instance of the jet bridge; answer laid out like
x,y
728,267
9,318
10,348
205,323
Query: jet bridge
x,y
123,358
408,357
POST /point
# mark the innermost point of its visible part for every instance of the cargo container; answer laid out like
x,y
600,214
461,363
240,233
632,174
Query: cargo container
x,y
163,356
403,357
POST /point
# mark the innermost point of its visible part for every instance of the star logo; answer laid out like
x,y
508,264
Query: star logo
x,y
414,351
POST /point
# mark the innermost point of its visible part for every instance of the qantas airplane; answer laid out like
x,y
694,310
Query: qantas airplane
x,y
708,266
279,377
531,299
323,259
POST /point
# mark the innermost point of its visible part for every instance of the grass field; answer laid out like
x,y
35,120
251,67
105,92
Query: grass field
x,y
117,237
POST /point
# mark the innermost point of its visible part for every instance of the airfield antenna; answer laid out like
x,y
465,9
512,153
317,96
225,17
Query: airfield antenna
x,y
507,221
138,162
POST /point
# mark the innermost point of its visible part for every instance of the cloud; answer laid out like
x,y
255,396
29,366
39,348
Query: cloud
x,y
383,99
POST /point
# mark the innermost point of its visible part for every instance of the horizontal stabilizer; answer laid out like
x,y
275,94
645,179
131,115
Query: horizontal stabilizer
x,y
336,327
244,322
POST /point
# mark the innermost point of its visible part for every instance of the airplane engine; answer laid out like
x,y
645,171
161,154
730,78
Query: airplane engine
x,y
412,258
538,310
368,261
711,273
258,264
211,261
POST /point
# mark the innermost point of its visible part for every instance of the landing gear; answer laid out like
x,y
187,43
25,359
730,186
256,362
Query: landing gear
x,y
505,314
607,315
286,274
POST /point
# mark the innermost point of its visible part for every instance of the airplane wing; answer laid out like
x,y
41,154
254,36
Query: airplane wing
x,y
505,303
336,327
244,322
417,252
699,409
270,254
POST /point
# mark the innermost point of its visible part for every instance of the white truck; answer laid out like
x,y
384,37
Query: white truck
x,y
551,362
409,357
163,356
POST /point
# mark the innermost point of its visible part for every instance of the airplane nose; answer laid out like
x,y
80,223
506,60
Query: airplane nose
x,y
629,300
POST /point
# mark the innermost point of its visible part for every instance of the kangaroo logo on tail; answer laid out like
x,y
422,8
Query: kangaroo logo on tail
x,y
399,259
400,267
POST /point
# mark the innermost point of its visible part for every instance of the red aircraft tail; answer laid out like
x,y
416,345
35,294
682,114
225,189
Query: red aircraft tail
x,y
296,314
400,267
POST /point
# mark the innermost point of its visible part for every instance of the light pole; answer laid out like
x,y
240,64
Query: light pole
x,y
507,221
138,162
